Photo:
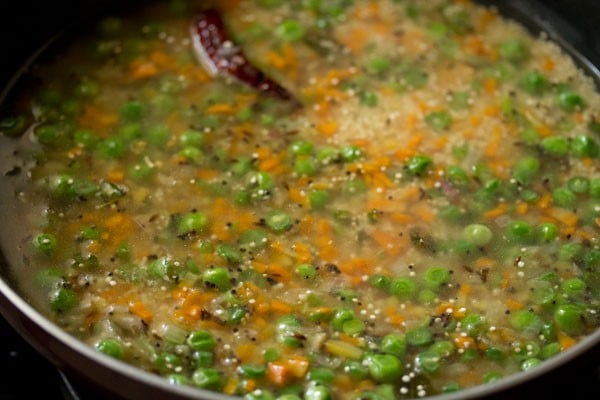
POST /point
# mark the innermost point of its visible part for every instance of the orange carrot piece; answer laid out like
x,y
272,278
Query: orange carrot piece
x,y
513,304
280,307
496,212
139,309
278,373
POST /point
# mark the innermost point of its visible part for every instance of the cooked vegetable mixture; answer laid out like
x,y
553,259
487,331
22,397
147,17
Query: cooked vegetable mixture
x,y
418,214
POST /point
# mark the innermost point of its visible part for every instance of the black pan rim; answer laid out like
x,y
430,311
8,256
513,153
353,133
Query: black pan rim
x,y
533,14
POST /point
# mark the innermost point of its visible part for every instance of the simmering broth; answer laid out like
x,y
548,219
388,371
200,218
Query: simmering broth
x,y
421,217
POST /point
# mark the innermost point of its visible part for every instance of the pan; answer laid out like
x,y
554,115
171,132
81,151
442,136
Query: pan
x,y
115,379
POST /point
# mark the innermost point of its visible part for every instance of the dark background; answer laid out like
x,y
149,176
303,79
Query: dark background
x,y
26,24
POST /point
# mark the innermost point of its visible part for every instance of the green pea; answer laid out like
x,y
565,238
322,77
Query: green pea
x,y
573,287
550,350
287,327
130,132
351,153
579,185
178,379
306,271
543,296
45,243
341,316
530,363
110,347
569,318
241,166
492,376
321,375
47,134
584,146
159,135
419,336
306,166
279,221
435,277
193,222
327,155
318,392
555,146
63,299
495,354
192,138
368,99
290,30
570,101
548,331
569,251
207,378
254,238
403,287
427,296
263,180
217,277
592,258
87,89
534,83
526,321
526,169
595,188
394,344
419,164
141,172
384,367
439,120
229,253
132,111
85,138
530,136
271,354
428,361
289,396
112,147
451,387
302,148
379,65
414,78
160,268
457,176
201,341
252,370
514,51
459,100
354,186
473,324
203,359
451,213
547,231
563,197
356,369
318,198
469,354
380,281
353,326
443,348
478,234
89,233
519,231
